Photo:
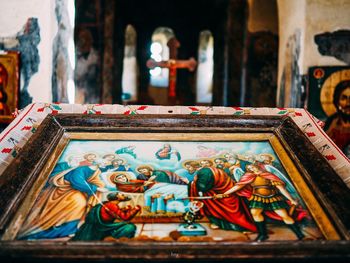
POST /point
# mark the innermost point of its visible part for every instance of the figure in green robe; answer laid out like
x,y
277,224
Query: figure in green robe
x,y
148,173
108,220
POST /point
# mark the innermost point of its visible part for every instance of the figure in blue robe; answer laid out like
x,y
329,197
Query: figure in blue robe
x,y
63,204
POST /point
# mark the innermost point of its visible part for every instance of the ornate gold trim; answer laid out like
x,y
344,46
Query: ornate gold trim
x,y
33,193
318,214
154,136
320,217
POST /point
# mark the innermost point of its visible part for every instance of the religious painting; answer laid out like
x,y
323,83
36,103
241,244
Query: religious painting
x,y
9,84
214,182
214,190
329,100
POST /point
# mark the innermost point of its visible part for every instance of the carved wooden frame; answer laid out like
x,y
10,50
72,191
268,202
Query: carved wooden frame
x,y
24,173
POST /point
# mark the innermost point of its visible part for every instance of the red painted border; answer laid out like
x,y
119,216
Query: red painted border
x,y
14,126
327,138
310,116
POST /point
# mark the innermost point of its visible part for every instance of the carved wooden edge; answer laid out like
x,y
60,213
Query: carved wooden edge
x,y
323,181
20,175
331,192
167,123
269,251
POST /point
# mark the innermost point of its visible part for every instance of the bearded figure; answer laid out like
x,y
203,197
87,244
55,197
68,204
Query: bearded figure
x,y
338,125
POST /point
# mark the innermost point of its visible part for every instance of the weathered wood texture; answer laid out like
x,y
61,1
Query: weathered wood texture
x,y
327,185
166,123
20,176
329,190
322,251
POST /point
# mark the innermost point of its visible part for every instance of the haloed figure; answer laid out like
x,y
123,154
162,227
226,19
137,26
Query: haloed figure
x,y
338,125
166,151
146,172
89,159
229,213
191,168
120,165
108,219
64,202
268,193
107,162
222,163
124,184
206,163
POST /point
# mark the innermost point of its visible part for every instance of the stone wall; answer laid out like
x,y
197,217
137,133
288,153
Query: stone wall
x,y
312,33
29,26
327,35
261,54
291,54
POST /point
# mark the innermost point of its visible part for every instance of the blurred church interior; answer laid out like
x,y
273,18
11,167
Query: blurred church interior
x,y
247,53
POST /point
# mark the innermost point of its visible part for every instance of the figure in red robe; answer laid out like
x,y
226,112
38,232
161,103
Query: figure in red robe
x,y
165,153
89,159
230,213
108,219
124,184
4,109
267,195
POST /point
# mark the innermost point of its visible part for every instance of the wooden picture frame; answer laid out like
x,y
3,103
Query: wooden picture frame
x,y
326,196
9,84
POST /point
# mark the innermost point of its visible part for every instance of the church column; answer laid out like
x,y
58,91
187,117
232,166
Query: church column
x,y
118,48
291,52
30,27
228,54
185,78
89,43
237,27
261,55
63,87
220,64
144,38
109,95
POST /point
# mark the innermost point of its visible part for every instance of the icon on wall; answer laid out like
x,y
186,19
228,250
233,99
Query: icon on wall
x,y
9,84
329,100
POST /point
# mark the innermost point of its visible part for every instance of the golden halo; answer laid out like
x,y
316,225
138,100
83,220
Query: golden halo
x,y
187,161
119,158
267,154
72,156
144,165
207,159
111,177
328,87
112,154
88,153
69,157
